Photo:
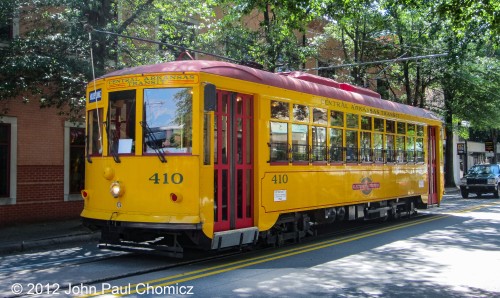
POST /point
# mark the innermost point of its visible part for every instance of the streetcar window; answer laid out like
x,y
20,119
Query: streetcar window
x,y
390,126
378,124
300,142
351,139
420,131
410,130
378,155
389,148
366,146
94,130
319,116
121,122
300,113
319,143
279,142
280,110
352,121
419,150
400,149
366,123
410,149
336,145
401,128
168,120
337,118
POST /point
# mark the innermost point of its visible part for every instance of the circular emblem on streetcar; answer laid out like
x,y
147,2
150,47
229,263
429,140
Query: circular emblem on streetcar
x,y
366,185
118,204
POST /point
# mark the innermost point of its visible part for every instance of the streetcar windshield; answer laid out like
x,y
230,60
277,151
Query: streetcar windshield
x,y
168,120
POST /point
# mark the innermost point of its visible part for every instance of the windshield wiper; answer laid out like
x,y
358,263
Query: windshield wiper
x,y
149,134
111,145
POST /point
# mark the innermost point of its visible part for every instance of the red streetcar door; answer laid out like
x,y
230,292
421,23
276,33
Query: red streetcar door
x,y
432,166
233,166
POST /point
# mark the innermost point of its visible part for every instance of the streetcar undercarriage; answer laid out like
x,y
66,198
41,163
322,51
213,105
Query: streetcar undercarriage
x,y
295,226
171,240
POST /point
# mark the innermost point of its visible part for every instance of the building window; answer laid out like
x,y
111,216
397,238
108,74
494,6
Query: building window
x,y
74,160
4,160
8,160
326,72
9,25
6,30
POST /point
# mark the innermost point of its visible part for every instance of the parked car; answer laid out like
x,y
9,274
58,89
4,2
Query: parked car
x,y
481,179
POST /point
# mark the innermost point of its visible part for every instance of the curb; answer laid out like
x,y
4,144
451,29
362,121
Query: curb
x,y
44,243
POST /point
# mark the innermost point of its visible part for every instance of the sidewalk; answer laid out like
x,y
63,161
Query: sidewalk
x,y
25,237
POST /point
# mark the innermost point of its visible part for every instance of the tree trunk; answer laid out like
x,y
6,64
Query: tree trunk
x,y
494,137
449,177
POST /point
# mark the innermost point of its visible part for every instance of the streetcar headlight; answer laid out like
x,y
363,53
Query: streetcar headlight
x,y
116,189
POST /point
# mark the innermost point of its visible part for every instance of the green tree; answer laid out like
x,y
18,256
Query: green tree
x,y
360,26
51,60
469,85
278,42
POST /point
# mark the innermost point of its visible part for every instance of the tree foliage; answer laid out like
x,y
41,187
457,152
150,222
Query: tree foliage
x,y
51,59
277,42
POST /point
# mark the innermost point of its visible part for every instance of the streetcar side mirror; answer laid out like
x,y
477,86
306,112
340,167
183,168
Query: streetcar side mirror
x,y
210,97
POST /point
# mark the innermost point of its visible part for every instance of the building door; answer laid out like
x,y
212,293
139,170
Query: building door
x,y
233,161
432,165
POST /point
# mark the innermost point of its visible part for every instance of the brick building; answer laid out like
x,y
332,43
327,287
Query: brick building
x,y
41,157
41,164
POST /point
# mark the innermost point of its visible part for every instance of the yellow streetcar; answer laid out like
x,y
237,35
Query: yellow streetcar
x,y
212,155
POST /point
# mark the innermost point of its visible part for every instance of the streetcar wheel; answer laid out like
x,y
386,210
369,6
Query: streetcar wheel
x,y
465,194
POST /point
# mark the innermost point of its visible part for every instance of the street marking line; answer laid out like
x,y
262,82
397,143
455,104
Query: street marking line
x,y
186,276
200,273
470,209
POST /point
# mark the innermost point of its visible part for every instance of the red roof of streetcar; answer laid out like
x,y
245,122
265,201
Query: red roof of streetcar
x,y
296,81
